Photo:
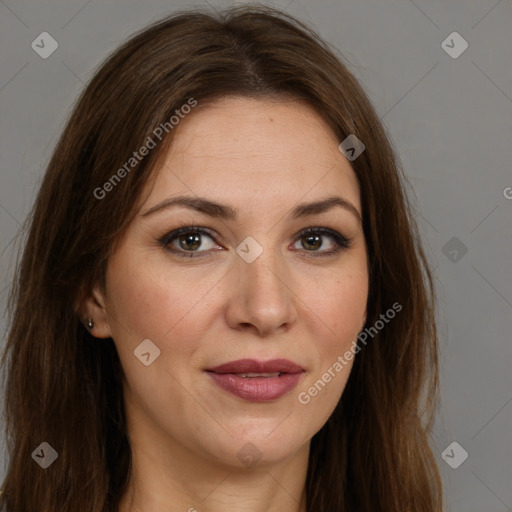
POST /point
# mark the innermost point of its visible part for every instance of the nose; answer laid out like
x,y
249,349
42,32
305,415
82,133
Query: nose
x,y
262,298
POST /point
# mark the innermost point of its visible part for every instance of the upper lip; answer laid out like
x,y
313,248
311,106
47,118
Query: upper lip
x,y
254,366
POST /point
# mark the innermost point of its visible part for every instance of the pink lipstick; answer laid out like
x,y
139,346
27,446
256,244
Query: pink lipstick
x,y
257,381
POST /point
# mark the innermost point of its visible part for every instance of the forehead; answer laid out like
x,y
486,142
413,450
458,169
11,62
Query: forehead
x,y
236,148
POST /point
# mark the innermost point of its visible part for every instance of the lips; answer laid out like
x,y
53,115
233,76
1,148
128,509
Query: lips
x,y
257,381
253,366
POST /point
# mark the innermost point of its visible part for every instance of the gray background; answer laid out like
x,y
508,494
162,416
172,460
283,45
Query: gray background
x,y
449,118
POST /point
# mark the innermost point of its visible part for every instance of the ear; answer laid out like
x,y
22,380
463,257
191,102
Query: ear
x,y
92,306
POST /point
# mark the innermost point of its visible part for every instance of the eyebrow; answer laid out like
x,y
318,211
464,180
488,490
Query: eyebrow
x,y
226,212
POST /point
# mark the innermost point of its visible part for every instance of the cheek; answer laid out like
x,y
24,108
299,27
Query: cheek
x,y
143,301
339,313
149,301
351,307
337,316
340,304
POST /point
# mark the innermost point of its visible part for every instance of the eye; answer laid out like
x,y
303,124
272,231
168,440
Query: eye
x,y
312,239
186,241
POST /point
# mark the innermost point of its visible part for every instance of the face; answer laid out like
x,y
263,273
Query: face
x,y
253,280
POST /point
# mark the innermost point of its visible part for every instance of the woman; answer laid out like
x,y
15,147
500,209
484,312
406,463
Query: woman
x,y
223,303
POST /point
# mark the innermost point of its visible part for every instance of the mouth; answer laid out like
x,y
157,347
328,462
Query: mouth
x,y
257,381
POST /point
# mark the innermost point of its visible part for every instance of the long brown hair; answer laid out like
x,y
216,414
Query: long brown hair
x,y
63,387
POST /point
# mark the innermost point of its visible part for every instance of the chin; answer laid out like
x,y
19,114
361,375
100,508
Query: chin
x,y
261,445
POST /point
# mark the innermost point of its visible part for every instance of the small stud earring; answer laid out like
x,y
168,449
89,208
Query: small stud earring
x,y
90,323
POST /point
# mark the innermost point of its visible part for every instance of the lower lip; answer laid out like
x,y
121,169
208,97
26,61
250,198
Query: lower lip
x,y
256,389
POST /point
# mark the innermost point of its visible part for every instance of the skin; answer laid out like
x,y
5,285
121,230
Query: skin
x,y
262,157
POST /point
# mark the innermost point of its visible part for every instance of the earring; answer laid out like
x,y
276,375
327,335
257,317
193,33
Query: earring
x,y
90,323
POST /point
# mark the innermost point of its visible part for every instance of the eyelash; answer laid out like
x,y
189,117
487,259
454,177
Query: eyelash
x,y
341,241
